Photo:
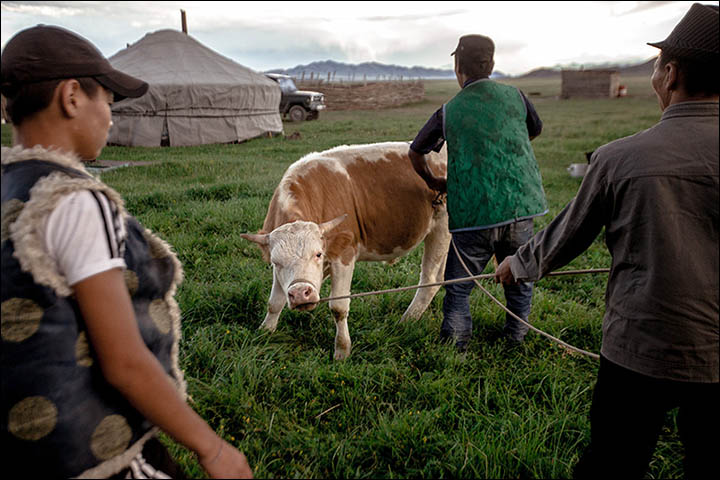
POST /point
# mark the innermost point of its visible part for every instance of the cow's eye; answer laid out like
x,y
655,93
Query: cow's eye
x,y
318,255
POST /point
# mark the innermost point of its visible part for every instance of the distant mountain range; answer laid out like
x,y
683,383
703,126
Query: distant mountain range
x,y
368,70
375,70
644,68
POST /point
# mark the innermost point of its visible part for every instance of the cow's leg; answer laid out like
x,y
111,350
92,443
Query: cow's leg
x,y
435,250
340,285
276,302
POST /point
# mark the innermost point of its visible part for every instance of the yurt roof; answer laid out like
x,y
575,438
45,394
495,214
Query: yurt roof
x,y
170,57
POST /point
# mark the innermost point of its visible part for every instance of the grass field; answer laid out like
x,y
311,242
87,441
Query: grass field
x,y
403,405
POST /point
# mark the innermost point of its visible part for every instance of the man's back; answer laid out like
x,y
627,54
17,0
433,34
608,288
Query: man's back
x,y
662,208
493,178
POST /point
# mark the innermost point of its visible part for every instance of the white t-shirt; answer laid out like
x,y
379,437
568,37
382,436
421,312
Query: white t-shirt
x,y
85,236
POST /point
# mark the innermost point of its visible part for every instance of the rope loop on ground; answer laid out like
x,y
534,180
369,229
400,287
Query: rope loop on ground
x,y
565,345
475,279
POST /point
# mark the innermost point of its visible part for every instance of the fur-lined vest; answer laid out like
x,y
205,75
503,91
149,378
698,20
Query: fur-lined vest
x,y
60,416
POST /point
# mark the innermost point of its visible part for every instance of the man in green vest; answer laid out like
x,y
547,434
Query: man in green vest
x,y
493,183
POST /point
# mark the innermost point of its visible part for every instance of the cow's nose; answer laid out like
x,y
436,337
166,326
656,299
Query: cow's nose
x,y
303,295
300,294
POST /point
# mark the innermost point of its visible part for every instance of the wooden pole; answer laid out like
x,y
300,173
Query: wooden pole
x,y
183,18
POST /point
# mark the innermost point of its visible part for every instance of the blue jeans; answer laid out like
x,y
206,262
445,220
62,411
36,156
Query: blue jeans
x,y
476,248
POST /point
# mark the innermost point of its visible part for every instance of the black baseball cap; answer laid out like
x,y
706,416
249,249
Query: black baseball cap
x,y
477,48
695,36
48,52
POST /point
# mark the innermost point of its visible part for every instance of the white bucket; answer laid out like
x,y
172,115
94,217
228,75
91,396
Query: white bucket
x,y
577,170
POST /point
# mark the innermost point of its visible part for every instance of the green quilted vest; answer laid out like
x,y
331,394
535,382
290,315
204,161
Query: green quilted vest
x,y
493,178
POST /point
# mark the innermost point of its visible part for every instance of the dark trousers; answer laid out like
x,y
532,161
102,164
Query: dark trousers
x,y
627,413
477,248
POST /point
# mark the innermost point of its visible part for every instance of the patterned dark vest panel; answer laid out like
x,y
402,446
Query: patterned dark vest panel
x,y
60,416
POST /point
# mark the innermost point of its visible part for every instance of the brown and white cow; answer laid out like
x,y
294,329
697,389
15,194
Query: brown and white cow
x,y
348,204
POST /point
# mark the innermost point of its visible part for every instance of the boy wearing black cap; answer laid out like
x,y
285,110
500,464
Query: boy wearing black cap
x,y
493,184
90,327
656,195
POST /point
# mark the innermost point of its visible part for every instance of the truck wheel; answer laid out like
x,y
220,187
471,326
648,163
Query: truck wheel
x,y
297,113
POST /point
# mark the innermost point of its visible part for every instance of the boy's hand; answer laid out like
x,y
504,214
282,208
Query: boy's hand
x,y
439,184
229,462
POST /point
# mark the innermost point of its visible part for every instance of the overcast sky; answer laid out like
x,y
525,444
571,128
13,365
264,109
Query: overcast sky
x,y
267,35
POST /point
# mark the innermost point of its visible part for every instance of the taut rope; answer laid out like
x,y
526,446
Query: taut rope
x,y
475,278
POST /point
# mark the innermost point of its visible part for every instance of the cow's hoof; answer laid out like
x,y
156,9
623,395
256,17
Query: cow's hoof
x,y
268,328
341,354
409,316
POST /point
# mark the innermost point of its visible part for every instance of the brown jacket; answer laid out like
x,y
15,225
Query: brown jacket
x,y
656,194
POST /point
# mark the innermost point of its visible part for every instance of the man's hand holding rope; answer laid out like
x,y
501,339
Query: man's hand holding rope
x,y
503,274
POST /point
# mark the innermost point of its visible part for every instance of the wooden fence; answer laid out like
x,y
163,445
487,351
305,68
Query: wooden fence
x,y
367,95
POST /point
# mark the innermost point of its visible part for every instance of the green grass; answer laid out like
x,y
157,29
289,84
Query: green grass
x,y
403,405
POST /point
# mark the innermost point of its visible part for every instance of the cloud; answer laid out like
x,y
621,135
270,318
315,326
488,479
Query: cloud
x,y
61,9
277,34
405,17
627,8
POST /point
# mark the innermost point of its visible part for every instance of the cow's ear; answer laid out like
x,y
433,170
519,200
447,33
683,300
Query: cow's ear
x,y
329,225
259,238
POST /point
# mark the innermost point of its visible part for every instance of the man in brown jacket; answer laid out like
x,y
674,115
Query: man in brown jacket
x,y
656,194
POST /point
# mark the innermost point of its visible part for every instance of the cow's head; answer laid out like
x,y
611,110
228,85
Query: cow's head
x,y
297,253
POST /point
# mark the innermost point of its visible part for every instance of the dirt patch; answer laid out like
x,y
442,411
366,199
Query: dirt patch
x,y
368,96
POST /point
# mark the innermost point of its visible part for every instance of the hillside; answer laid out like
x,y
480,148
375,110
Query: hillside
x,y
644,68
375,71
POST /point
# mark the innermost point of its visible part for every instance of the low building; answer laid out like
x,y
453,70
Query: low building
x,y
590,83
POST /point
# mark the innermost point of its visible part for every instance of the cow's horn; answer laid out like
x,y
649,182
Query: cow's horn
x,y
329,225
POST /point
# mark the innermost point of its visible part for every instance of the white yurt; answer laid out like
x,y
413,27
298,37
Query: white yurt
x,y
196,95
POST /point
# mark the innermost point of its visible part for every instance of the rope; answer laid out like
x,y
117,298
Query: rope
x,y
554,339
484,276
475,278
